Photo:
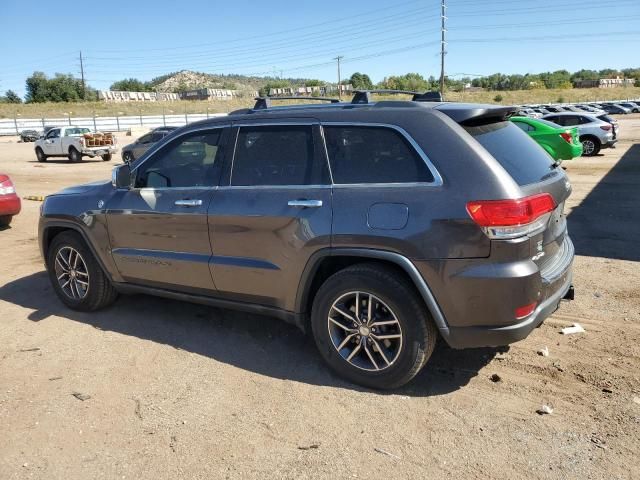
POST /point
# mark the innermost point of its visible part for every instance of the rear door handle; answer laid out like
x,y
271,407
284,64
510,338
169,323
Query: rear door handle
x,y
305,203
188,203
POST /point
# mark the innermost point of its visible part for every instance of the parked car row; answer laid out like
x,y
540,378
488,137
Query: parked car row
x,y
618,107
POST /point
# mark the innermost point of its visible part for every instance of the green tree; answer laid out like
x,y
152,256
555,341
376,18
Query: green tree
x,y
12,97
361,81
131,85
264,91
313,83
60,88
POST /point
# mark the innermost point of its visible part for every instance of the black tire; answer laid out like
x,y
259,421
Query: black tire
x,y
74,155
99,291
127,157
419,334
40,155
106,157
590,145
5,220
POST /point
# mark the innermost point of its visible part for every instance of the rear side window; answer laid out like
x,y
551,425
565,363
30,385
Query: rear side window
x,y
525,127
362,154
277,155
519,155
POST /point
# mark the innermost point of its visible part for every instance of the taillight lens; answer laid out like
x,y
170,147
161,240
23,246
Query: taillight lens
x,y
567,137
606,128
513,217
7,188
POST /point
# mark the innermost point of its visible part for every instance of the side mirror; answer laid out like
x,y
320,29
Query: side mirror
x,y
121,176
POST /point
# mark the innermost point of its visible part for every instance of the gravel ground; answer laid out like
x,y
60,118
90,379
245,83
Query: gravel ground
x,y
185,391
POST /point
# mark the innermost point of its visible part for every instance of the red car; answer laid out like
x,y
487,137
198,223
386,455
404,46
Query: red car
x,y
9,201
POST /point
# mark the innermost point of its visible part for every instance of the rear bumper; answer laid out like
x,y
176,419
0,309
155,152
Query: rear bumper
x,y
487,320
610,143
9,205
472,337
95,152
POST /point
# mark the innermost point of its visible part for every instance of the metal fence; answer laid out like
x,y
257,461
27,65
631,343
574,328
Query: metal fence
x,y
13,126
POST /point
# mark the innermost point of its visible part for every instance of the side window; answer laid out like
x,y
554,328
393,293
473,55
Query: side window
x,y
525,127
55,133
189,161
145,139
277,155
361,154
585,120
157,136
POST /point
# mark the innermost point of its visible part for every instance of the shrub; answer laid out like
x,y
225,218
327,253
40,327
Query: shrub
x,y
497,98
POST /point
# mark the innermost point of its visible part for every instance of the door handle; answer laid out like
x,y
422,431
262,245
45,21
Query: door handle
x,y
305,203
188,203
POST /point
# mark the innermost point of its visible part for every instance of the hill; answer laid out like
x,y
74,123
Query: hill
x,y
189,80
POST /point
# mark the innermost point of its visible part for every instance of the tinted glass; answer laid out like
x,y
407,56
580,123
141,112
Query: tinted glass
x,y
277,155
373,155
519,155
53,133
188,161
549,123
145,138
606,118
157,136
525,127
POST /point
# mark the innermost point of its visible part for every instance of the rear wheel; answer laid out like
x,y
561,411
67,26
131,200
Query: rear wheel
x,y
106,157
590,146
76,276
371,327
5,220
74,155
40,155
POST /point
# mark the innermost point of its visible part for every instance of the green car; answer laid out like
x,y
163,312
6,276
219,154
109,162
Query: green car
x,y
561,143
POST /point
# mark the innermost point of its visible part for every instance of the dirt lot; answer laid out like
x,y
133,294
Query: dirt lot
x,y
184,391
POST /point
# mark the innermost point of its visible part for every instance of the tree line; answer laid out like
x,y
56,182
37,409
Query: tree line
x,y
67,88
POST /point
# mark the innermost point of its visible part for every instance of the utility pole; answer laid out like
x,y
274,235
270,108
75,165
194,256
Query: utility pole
x,y
442,46
84,88
338,58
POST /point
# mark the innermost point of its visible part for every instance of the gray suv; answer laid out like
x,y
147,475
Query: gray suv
x,y
376,227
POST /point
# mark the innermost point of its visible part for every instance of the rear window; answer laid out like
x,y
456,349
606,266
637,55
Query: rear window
x,y
605,118
519,155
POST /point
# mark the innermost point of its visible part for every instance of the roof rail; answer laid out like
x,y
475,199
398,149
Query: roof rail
x,y
265,102
364,96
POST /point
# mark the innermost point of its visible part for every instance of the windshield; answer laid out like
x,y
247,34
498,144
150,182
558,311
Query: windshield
x,y
518,154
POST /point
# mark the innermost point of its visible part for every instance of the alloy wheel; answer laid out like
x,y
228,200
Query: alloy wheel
x,y
72,273
365,331
588,147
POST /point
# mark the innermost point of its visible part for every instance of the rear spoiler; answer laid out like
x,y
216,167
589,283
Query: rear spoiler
x,y
469,114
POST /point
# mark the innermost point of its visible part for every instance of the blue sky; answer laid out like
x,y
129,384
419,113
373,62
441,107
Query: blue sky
x,y
143,39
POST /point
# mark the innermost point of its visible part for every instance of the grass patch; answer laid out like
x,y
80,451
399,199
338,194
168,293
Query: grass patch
x,y
88,109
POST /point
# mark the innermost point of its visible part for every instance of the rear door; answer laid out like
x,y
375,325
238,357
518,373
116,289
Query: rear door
x,y
158,229
273,213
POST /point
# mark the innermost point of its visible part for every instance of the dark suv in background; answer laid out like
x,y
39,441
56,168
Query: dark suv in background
x,y
377,227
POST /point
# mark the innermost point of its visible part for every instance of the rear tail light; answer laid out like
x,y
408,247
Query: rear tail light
x,y
513,217
606,128
567,137
7,188
525,310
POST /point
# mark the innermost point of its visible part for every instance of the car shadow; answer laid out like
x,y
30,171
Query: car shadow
x,y
264,345
65,160
607,221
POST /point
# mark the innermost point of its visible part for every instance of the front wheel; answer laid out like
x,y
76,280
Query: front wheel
x,y
76,276
106,157
40,155
371,327
74,155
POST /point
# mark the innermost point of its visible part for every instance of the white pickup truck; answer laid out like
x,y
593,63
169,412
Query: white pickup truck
x,y
75,143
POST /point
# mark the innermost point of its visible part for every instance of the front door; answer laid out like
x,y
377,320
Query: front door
x,y
273,213
158,229
52,145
